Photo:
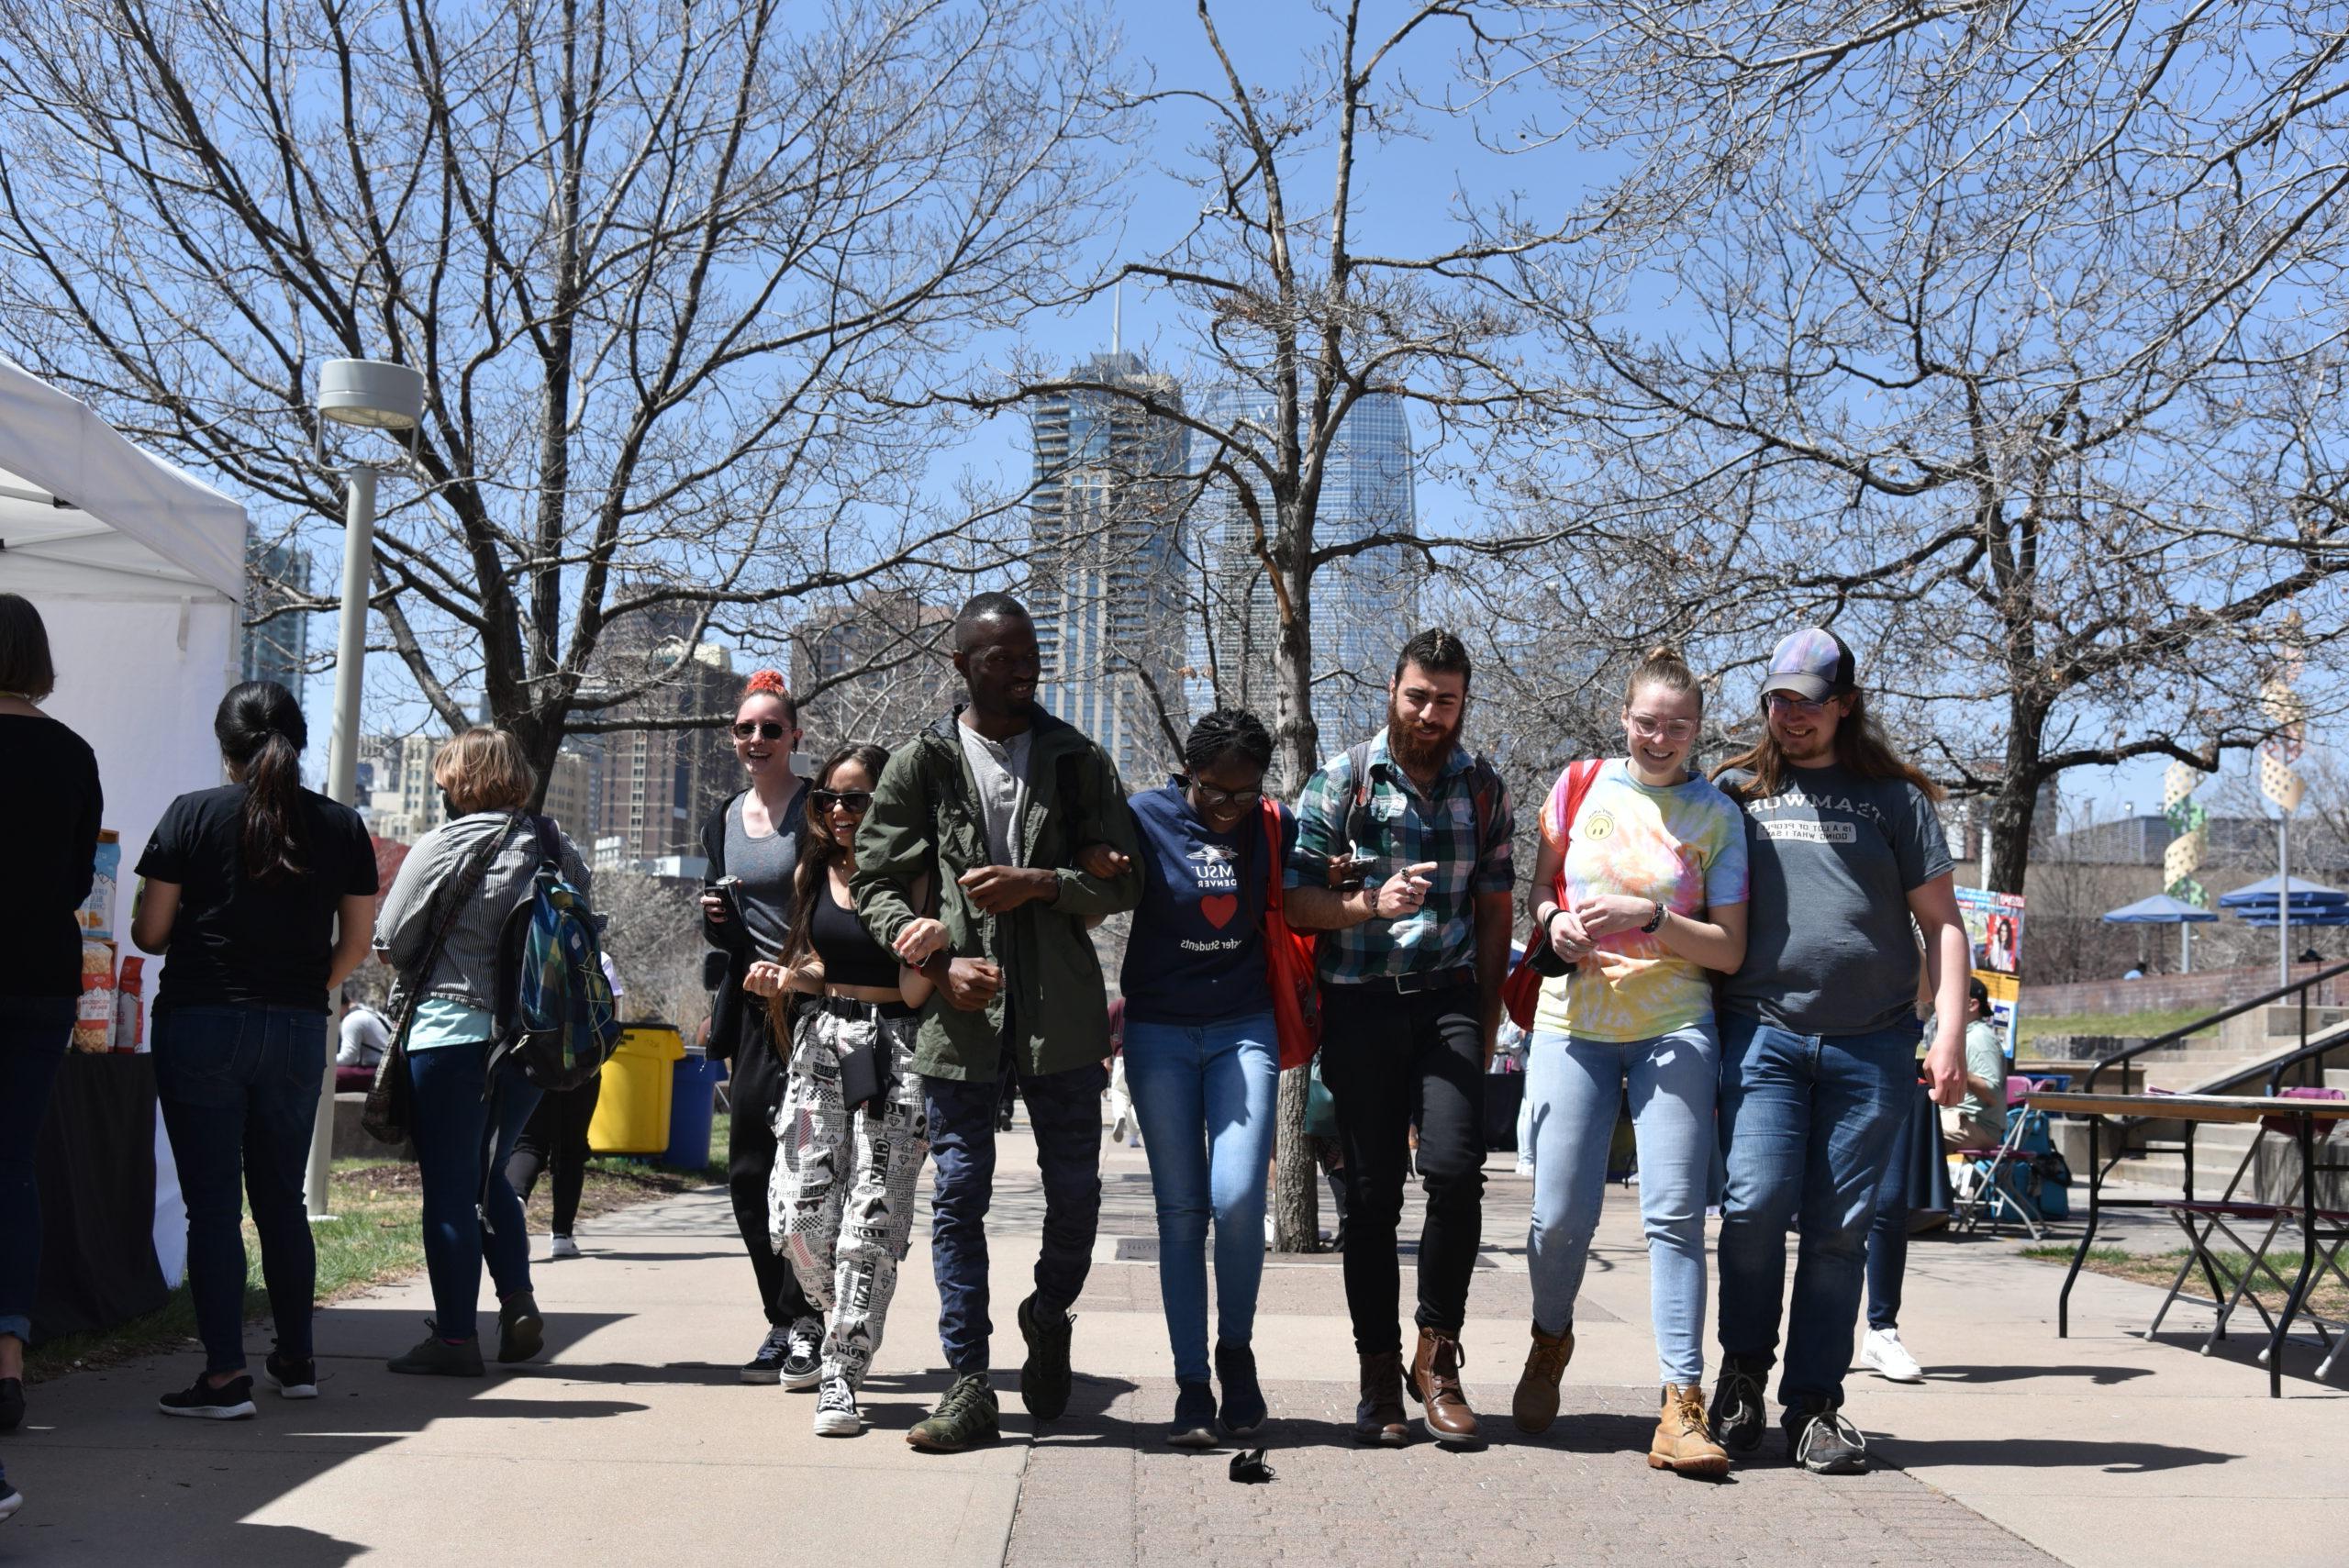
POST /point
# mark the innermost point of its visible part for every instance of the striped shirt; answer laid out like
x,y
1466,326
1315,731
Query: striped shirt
x,y
1398,826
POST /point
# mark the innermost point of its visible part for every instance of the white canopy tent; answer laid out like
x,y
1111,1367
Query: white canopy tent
x,y
138,571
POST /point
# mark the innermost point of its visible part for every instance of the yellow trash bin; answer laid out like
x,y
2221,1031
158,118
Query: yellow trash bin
x,y
632,1113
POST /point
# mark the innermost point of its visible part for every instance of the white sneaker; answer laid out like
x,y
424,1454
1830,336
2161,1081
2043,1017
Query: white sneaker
x,y
562,1247
836,1412
1883,1353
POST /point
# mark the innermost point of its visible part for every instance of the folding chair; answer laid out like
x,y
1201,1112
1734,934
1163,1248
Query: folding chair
x,y
2333,1234
1993,1192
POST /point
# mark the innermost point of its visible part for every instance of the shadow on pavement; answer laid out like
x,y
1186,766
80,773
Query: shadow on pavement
x,y
2102,1376
2045,1454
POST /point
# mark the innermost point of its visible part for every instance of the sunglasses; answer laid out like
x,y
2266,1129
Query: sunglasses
x,y
1212,798
760,729
855,802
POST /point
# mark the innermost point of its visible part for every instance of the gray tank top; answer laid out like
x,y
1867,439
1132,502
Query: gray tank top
x,y
765,866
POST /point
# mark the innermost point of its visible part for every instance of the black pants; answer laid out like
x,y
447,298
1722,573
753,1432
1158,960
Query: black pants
x,y
1384,1057
755,1090
555,1139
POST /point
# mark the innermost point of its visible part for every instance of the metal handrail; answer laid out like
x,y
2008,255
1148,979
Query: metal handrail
x,y
2265,999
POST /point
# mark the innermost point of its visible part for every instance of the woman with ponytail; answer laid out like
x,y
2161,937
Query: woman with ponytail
x,y
261,895
753,845
1639,889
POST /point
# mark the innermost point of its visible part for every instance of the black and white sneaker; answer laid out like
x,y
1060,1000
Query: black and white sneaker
x,y
233,1401
292,1379
836,1412
1823,1442
10,1499
1194,1423
803,1356
1737,1418
767,1365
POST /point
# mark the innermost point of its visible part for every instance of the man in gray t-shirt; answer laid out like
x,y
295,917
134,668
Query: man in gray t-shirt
x,y
1000,767
1819,1037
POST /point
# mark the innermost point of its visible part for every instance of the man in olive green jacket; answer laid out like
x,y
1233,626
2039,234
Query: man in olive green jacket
x,y
992,808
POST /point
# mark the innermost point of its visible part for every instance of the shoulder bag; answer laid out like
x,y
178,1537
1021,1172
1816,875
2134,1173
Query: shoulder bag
x,y
1289,960
1538,961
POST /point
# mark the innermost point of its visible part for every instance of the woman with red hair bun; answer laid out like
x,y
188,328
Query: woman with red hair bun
x,y
753,845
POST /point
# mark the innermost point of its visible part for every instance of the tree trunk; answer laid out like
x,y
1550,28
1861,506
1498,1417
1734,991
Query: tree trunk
x,y
2006,858
1295,1190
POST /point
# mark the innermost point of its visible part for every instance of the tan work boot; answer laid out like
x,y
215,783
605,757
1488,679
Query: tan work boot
x,y
1379,1421
1536,1405
1681,1443
1435,1384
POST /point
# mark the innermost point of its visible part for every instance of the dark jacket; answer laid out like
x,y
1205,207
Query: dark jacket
x,y
924,819
727,955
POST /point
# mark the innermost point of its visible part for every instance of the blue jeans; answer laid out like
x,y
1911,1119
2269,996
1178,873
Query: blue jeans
x,y
239,1088
1574,1087
33,1035
463,1137
1204,1095
1888,1229
1066,1110
1805,1124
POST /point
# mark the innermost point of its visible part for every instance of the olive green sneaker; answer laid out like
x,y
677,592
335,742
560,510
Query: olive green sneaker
x,y
965,1418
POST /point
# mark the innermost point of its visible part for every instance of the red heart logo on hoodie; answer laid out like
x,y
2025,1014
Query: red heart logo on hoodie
x,y
1220,908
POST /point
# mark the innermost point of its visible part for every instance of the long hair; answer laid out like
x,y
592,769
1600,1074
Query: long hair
x,y
261,731
1860,745
817,853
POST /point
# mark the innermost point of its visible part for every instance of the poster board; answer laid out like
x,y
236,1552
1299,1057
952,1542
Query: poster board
x,y
1993,936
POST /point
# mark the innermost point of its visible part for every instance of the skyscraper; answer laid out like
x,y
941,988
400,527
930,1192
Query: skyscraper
x,y
1108,591
1362,607
274,647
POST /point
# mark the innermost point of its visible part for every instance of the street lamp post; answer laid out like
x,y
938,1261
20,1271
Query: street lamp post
x,y
363,394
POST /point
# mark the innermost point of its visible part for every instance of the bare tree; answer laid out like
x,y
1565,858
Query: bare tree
x,y
2010,345
656,265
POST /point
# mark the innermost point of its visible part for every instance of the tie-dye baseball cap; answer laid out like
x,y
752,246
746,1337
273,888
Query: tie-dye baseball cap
x,y
1813,663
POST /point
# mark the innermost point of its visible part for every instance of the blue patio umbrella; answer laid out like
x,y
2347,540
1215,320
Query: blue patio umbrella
x,y
2161,909
2303,894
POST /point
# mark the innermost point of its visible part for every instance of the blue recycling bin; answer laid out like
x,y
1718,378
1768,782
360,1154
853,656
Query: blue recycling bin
x,y
692,1095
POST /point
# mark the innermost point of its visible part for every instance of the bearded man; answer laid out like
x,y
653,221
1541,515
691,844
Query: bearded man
x,y
1411,972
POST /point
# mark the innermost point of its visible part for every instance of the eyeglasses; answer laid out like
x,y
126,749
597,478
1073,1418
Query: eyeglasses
x,y
760,728
855,802
1211,797
1649,728
1799,707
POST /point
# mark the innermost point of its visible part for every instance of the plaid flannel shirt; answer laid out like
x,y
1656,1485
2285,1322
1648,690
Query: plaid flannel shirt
x,y
1405,826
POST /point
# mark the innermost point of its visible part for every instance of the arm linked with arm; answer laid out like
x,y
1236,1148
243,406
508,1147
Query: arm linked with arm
x,y
894,848
1080,892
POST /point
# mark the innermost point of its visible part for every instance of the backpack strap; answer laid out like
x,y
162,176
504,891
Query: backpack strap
x,y
1358,799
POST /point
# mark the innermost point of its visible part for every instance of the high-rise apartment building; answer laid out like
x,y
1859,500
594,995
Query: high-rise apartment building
x,y
274,647
1362,607
657,784
403,803
1108,590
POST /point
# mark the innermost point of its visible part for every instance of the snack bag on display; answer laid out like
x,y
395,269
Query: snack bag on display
x,y
96,914
94,1014
129,1031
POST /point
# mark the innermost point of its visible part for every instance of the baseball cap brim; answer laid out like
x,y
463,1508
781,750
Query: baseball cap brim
x,y
1810,688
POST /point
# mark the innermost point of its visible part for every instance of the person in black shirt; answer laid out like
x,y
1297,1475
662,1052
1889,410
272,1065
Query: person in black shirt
x,y
263,896
49,798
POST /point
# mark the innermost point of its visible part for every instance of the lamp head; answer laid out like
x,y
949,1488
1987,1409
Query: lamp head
x,y
371,394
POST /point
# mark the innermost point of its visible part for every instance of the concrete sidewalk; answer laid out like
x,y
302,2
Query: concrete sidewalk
x,y
634,1440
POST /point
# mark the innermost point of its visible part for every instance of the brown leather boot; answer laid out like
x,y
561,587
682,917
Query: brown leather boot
x,y
1379,1421
1681,1442
1435,1384
1536,1405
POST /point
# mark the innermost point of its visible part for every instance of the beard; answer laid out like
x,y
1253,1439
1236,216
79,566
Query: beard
x,y
1416,753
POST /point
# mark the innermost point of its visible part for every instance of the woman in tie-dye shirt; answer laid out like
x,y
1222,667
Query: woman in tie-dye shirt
x,y
1653,899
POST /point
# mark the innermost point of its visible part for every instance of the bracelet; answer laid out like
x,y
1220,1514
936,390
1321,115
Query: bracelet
x,y
1656,921
1550,921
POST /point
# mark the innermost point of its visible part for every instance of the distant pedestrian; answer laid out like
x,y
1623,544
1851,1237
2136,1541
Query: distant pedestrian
x,y
262,894
991,807
467,876
1820,1046
51,803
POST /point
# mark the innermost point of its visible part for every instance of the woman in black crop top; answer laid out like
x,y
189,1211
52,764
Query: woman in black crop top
x,y
852,1131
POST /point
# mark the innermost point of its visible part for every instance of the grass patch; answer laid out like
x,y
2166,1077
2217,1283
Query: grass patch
x,y
374,1238
2329,1297
2143,1026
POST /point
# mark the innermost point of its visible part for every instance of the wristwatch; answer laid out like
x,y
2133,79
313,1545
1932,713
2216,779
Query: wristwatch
x,y
1655,921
